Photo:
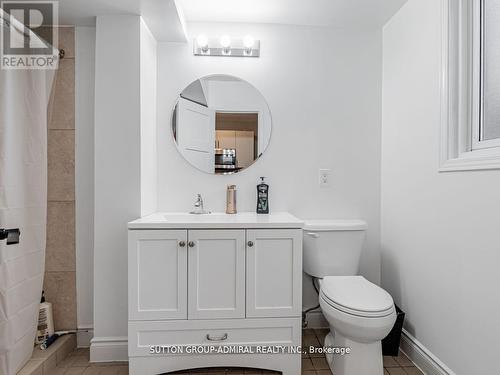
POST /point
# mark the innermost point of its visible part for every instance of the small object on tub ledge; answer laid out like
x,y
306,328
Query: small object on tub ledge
x,y
262,197
231,199
50,340
45,327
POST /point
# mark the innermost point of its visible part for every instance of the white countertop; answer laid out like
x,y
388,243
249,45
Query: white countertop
x,y
243,220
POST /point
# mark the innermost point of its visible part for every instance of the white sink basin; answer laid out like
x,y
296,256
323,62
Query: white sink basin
x,y
188,218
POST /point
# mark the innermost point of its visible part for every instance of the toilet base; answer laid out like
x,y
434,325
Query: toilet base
x,y
364,358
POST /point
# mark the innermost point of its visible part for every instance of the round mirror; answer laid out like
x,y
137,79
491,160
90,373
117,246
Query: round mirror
x,y
221,124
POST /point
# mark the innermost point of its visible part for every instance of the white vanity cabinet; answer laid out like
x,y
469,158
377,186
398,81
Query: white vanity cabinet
x,y
274,259
214,280
157,274
216,274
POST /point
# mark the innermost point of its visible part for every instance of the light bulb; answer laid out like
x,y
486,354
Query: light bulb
x,y
225,41
202,42
248,42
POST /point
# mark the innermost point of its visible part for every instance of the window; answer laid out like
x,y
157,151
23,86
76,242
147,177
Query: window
x,y
471,85
488,131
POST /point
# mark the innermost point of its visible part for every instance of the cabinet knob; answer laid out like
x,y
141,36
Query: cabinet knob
x,y
191,244
182,243
250,243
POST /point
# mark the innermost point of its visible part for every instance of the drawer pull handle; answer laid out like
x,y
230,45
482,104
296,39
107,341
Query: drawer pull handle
x,y
220,338
191,244
182,243
250,244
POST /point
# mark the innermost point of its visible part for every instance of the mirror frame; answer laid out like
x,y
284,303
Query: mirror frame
x,y
174,140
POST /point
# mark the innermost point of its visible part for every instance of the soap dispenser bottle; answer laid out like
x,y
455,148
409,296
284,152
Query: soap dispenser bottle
x,y
262,197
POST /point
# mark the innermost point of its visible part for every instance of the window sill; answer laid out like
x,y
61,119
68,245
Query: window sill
x,y
473,160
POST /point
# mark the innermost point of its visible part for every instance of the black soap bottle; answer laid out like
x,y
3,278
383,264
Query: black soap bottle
x,y
262,197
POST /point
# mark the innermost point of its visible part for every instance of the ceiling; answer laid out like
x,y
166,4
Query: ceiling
x,y
166,18
162,16
336,13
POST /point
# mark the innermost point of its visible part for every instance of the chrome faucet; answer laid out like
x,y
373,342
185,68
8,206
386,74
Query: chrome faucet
x,y
198,206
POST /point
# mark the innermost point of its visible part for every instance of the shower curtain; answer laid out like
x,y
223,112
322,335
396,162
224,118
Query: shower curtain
x,y
24,98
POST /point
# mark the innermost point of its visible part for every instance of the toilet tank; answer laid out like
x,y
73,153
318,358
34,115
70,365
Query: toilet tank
x,y
333,247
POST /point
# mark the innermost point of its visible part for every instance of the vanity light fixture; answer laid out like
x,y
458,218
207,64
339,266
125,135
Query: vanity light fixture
x,y
202,42
225,46
225,42
248,42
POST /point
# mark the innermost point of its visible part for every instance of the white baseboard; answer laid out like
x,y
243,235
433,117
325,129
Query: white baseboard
x,y
109,349
315,319
422,357
83,336
115,349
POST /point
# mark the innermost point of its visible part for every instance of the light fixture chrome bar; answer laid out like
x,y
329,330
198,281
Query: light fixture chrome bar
x,y
237,48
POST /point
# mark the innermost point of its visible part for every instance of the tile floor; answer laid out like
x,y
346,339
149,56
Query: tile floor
x,y
77,363
316,364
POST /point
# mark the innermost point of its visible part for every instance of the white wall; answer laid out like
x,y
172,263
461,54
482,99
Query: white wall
x,y
149,167
84,176
324,92
117,176
125,167
440,231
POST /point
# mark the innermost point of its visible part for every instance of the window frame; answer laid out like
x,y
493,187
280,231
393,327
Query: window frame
x,y
478,59
461,90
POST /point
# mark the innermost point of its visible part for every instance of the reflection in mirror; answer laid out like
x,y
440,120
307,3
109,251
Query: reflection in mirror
x,y
221,124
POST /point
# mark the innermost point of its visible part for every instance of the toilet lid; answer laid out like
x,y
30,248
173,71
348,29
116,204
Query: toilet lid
x,y
356,295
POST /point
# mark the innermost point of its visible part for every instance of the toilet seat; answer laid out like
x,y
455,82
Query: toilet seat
x,y
356,296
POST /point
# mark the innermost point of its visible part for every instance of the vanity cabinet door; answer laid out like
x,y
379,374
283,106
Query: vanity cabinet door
x,y
157,266
216,268
274,273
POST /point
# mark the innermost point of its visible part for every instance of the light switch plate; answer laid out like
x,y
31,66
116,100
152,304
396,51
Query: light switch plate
x,y
324,177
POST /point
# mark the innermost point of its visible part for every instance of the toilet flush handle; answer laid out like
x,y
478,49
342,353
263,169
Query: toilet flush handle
x,y
313,235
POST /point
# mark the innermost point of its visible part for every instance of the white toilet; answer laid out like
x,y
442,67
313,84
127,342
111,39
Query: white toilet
x,y
360,313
